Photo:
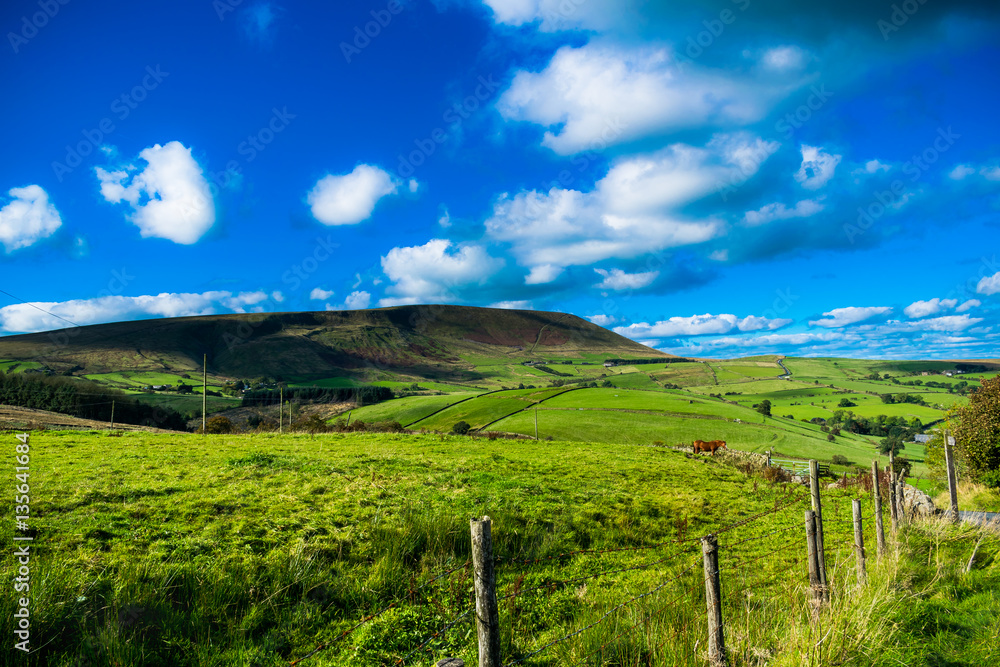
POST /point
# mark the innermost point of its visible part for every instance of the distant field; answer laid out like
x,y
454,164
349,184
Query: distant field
x,y
750,387
406,410
328,383
634,381
686,374
188,404
481,411
18,366
424,385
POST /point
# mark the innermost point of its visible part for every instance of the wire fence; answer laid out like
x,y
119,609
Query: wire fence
x,y
762,561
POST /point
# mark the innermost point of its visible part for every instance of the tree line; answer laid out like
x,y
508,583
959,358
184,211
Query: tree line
x,y
366,395
84,399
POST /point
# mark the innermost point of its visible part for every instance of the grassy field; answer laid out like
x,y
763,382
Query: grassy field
x,y
406,410
254,550
18,366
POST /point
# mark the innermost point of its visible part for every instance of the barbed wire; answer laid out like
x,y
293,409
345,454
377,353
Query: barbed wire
x,y
640,621
760,537
744,561
613,610
597,574
565,554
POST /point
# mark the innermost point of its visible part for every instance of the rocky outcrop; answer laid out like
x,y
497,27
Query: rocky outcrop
x,y
916,501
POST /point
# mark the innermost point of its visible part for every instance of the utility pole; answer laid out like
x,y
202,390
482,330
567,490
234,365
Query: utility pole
x,y
204,394
112,415
536,421
281,408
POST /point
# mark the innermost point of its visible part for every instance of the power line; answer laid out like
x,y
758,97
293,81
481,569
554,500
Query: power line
x,y
27,303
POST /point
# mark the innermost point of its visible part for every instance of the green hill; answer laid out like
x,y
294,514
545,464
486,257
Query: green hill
x,y
448,343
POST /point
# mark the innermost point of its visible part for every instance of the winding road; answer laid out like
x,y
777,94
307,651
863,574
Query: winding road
x,y
788,373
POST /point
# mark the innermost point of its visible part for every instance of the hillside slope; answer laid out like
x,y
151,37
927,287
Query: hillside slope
x,y
426,341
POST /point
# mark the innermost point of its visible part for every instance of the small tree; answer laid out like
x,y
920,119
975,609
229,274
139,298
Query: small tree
x,y
219,424
846,403
461,428
977,433
764,408
893,444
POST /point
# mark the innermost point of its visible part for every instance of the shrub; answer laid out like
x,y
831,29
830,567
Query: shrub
x,y
841,460
461,428
219,424
830,437
775,475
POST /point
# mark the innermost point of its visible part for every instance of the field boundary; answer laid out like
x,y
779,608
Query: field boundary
x,y
528,407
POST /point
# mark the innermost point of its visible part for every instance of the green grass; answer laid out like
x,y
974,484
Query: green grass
x,y
187,403
18,366
425,386
223,550
633,381
481,411
405,410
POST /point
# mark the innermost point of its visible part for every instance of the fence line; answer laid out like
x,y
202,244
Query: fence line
x,y
672,602
553,584
839,536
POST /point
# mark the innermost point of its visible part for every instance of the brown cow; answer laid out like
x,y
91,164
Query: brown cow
x,y
710,446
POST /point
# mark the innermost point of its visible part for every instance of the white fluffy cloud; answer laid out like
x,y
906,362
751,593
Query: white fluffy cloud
x,y
989,172
434,271
25,318
358,300
513,305
320,294
784,58
27,218
840,317
632,211
602,320
350,198
618,280
596,95
542,274
170,197
699,325
960,172
969,305
989,285
778,211
817,167
554,15
919,309
944,323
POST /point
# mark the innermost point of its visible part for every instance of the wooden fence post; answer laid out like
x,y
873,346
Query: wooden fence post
x,y
812,556
818,511
484,579
879,528
859,542
713,599
949,457
893,511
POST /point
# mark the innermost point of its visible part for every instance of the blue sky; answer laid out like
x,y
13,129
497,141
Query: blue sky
x,y
714,179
